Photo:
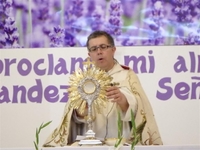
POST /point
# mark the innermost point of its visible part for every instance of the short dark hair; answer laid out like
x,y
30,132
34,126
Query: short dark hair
x,y
99,33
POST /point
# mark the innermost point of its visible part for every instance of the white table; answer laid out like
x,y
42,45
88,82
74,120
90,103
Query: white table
x,y
163,147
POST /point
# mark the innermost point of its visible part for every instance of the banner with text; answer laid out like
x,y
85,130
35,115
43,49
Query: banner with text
x,y
36,81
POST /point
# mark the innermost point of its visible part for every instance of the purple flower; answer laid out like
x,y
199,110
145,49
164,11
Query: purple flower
x,y
97,19
129,7
57,37
73,14
7,6
128,42
41,15
42,10
11,34
185,10
73,22
20,4
130,22
5,11
155,25
191,39
95,15
77,8
8,31
91,7
114,25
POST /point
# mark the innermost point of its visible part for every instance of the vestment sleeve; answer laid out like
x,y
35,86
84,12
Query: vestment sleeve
x,y
131,101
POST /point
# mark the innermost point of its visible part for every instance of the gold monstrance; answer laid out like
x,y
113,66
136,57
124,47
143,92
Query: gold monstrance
x,y
87,89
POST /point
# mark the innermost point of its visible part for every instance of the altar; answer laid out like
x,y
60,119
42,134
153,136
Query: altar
x,y
166,147
163,147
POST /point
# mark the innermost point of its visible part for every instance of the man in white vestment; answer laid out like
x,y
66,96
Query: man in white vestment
x,y
127,95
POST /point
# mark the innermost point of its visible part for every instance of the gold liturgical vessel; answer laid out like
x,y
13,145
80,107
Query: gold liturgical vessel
x,y
88,89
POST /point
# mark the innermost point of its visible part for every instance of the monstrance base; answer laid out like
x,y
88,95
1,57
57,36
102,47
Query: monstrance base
x,y
90,139
90,142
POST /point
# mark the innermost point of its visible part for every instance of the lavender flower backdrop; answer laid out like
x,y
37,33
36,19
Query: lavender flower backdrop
x,y
67,23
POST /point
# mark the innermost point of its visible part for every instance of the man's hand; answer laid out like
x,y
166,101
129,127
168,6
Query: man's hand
x,y
85,112
115,95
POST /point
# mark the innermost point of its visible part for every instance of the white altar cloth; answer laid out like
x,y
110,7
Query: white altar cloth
x,y
163,147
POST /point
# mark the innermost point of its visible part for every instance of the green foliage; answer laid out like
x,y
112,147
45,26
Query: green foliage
x,y
120,130
36,142
134,131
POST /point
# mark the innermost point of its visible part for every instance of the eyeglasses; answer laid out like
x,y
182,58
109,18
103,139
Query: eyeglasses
x,y
102,47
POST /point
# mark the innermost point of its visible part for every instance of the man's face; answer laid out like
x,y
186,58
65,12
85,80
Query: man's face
x,y
101,52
